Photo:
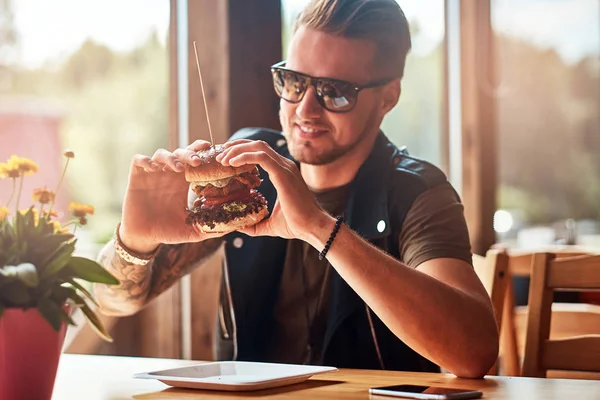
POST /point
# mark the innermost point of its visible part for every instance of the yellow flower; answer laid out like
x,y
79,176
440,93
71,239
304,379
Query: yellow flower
x,y
3,170
3,212
16,167
58,227
24,165
51,214
81,210
43,195
69,154
9,170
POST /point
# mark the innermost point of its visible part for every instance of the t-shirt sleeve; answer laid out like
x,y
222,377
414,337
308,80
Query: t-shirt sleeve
x,y
435,227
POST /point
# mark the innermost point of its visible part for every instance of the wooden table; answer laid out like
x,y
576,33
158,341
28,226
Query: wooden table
x,y
107,377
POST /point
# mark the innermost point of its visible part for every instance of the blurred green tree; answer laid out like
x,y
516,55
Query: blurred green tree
x,y
549,133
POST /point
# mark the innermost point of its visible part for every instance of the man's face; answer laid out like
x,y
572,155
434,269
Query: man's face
x,y
316,135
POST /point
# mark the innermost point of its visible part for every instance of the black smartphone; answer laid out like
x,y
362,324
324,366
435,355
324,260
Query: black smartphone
x,y
425,392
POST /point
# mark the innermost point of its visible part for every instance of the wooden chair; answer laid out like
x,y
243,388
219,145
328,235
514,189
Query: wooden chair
x,y
492,271
514,319
580,353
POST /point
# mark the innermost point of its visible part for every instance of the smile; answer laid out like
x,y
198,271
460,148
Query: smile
x,y
310,130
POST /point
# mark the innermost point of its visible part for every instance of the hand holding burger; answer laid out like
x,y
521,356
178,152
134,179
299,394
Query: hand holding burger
x,y
226,196
155,203
295,213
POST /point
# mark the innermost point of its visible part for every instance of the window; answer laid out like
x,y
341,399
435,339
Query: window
x,y
548,99
417,121
91,77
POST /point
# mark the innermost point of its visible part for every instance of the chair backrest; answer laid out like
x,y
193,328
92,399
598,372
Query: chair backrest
x,y
548,273
520,262
514,321
492,271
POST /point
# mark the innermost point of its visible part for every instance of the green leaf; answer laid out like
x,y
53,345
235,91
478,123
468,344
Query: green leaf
x,y
80,301
61,293
83,290
96,323
15,293
59,259
50,242
43,227
25,272
65,317
8,232
51,312
43,248
29,218
19,224
91,271
15,253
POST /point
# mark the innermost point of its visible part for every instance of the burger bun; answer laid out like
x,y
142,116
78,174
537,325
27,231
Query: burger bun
x,y
212,170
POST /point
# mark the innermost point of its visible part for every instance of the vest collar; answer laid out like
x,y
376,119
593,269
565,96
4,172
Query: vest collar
x,y
366,210
367,207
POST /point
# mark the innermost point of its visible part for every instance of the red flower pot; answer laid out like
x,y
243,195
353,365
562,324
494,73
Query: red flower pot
x,y
29,353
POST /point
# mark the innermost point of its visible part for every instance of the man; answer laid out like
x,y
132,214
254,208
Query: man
x,y
395,289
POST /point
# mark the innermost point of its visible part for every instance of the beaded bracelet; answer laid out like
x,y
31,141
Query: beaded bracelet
x,y
336,228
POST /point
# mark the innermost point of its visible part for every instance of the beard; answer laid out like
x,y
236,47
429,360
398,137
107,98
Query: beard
x,y
306,152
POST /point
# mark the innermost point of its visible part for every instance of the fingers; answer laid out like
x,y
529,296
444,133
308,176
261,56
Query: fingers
x,y
237,148
263,228
251,230
187,156
242,152
236,142
198,145
144,162
164,160
262,158
207,235
177,160
168,160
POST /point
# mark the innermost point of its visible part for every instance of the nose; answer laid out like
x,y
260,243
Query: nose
x,y
309,107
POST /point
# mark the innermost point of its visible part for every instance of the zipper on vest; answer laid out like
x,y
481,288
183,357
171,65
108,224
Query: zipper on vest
x,y
222,323
374,336
231,310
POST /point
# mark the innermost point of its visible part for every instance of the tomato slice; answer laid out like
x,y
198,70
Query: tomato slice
x,y
238,195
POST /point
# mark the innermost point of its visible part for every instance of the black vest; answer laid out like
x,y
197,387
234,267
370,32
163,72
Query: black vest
x,y
380,196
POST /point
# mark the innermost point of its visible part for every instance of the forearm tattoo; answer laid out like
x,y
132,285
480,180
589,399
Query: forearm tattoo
x,y
175,261
139,284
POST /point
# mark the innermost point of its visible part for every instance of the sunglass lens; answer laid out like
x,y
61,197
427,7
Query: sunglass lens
x,y
333,95
337,96
289,85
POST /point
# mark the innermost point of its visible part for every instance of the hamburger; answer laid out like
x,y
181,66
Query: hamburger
x,y
225,197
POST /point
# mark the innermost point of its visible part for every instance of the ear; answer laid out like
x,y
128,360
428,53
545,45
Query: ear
x,y
390,96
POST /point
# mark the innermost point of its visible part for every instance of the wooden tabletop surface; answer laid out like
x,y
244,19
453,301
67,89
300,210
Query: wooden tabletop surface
x,y
93,377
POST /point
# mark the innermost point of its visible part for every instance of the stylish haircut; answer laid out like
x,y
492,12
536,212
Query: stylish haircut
x,y
381,22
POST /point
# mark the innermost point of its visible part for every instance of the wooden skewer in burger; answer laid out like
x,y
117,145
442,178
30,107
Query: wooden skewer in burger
x,y
226,196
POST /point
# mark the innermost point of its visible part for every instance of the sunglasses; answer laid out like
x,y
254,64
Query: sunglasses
x,y
332,94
